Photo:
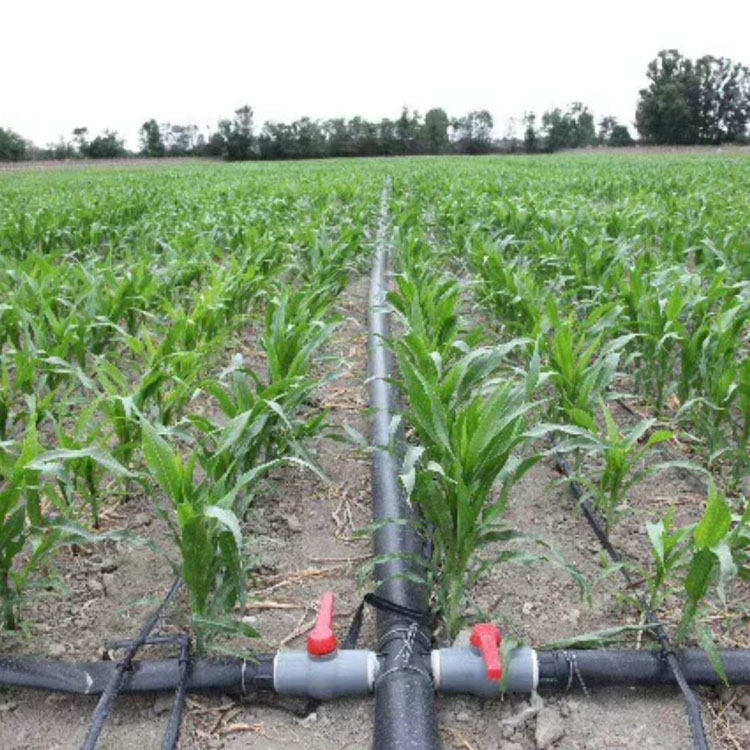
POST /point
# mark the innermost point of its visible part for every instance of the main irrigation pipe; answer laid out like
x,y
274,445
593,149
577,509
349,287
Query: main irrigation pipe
x,y
555,671
405,717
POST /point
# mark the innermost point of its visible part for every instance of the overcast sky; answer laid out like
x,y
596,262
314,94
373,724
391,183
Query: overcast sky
x,y
113,64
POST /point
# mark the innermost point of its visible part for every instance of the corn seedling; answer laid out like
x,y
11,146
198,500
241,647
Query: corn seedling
x,y
469,431
624,457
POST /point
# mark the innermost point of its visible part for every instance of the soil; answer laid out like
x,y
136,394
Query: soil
x,y
305,545
31,166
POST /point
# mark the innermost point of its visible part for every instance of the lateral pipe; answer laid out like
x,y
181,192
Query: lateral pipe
x,y
454,671
692,704
405,717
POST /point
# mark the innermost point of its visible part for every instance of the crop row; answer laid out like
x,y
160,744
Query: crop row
x,y
124,298
535,297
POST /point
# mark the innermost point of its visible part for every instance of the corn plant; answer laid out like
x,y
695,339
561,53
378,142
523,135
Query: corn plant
x,y
692,558
206,528
294,332
718,554
429,302
469,431
581,362
262,422
23,525
624,457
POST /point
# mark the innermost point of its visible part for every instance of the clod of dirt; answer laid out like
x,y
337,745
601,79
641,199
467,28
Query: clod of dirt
x,y
293,523
550,727
141,519
309,720
56,650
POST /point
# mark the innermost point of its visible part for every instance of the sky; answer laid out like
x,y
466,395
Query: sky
x,y
114,64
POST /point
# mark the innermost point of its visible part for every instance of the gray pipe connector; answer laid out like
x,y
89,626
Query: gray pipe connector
x,y
345,672
462,670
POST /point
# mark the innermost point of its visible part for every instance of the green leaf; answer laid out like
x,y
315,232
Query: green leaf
x,y
165,465
711,649
227,518
699,574
716,521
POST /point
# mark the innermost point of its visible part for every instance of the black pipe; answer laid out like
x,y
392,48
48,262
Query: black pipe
x,y
404,693
558,670
92,678
561,670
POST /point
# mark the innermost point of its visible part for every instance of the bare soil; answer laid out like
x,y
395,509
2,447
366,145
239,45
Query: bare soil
x,y
32,166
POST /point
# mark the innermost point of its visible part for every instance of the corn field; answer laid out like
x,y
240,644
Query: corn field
x,y
591,307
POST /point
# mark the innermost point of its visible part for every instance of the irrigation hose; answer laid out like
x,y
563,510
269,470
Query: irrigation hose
x,y
559,670
101,712
172,735
692,704
405,715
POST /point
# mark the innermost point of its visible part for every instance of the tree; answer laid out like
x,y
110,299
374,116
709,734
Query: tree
x,y
606,126
620,136
12,146
337,136
105,146
474,132
407,132
80,136
611,133
152,143
706,101
530,137
386,133
669,110
179,140
435,131
573,128
724,99
237,135
215,145
61,150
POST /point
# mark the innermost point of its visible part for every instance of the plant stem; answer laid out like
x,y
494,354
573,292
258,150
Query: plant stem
x,y
6,596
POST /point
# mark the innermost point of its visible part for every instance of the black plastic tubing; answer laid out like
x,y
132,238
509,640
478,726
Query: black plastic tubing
x,y
144,677
561,670
558,671
405,717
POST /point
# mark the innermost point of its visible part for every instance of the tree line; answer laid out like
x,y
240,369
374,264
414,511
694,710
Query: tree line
x,y
687,102
236,139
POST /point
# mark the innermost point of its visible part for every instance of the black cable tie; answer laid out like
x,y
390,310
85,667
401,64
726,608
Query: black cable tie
x,y
385,605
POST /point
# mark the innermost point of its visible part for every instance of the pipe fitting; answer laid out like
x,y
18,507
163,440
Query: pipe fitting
x,y
344,673
463,670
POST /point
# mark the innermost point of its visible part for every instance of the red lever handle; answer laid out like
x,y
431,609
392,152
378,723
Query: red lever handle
x,y
486,638
322,640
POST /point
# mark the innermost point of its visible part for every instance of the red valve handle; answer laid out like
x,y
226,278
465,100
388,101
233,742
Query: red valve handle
x,y
322,640
486,638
